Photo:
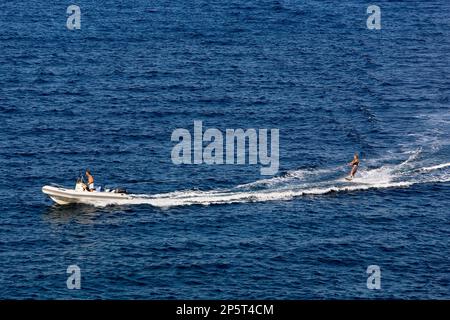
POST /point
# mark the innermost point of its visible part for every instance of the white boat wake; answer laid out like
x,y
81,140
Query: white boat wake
x,y
295,184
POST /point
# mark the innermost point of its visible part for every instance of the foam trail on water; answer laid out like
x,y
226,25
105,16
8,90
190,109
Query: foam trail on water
x,y
291,176
242,197
436,167
294,184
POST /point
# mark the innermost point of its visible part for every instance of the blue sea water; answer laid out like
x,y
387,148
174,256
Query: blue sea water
x,y
108,97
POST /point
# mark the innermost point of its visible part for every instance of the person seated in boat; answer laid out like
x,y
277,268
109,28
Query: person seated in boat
x,y
90,179
354,164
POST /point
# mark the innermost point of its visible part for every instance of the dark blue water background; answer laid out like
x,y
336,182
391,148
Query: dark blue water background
x,y
109,96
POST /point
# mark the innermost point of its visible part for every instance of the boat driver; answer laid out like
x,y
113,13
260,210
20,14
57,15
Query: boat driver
x,y
90,179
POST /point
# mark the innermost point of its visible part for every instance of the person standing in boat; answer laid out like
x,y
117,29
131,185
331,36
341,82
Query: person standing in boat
x,y
90,179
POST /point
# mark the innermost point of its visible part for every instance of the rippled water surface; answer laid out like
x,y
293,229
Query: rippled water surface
x,y
109,96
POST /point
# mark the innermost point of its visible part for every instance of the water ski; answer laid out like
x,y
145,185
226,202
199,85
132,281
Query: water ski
x,y
348,178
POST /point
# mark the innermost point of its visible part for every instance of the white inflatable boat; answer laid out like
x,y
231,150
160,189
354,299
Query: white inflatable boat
x,y
63,195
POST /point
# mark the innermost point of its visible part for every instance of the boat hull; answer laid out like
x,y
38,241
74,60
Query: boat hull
x,y
65,196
